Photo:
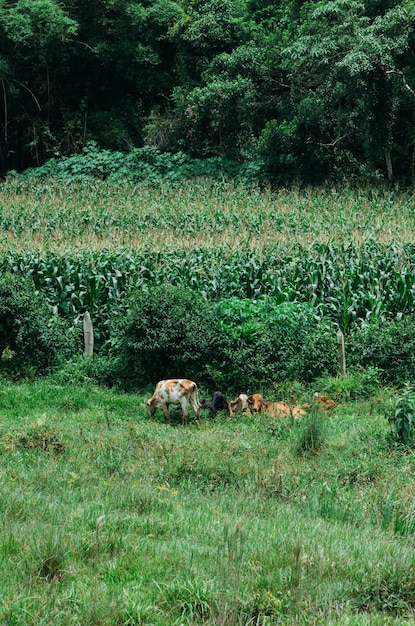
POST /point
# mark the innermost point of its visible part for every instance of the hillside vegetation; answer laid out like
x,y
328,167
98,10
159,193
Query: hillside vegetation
x,y
295,89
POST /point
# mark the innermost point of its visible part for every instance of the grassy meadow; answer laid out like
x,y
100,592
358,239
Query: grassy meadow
x,y
111,518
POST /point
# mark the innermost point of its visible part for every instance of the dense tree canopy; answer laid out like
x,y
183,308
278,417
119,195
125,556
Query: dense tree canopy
x,y
313,90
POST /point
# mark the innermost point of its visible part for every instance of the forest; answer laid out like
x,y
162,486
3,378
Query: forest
x,y
300,91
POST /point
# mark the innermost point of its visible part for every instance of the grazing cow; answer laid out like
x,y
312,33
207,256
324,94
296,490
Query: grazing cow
x,y
240,405
256,403
217,403
175,391
324,402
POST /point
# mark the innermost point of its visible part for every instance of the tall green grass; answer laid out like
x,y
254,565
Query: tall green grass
x,y
109,517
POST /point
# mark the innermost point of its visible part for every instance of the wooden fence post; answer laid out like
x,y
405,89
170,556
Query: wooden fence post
x,y
342,354
88,335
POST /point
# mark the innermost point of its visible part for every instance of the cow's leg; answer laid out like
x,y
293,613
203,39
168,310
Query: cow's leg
x,y
166,412
185,409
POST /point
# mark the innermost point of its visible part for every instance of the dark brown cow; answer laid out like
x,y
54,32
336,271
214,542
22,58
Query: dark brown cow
x,y
217,403
175,391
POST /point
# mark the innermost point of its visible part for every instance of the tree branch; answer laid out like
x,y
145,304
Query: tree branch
x,y
402,75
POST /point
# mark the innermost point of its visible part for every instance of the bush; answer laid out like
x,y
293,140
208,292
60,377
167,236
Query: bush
x,y
403,416
32,338
167,332
388,346
264,342
145,164
234,344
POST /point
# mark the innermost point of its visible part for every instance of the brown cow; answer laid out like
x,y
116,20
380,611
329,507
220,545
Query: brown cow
x,y
175,391
324,402
277,409
240,405
281,409
256,403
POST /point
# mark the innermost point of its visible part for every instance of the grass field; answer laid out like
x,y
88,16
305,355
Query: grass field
x,y
110,518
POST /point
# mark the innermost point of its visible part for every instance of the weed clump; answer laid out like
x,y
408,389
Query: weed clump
x,y
37,437
312,436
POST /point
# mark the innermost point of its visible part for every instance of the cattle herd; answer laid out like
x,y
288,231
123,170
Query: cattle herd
x,y
185,393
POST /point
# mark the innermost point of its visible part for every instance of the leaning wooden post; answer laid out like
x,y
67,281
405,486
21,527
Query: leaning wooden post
x,y
88,335
342,354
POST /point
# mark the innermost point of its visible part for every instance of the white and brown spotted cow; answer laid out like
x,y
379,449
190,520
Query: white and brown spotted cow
x,y
175,391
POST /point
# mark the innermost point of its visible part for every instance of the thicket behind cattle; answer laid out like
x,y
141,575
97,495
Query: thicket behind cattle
x,y
166,332
235,344
32,338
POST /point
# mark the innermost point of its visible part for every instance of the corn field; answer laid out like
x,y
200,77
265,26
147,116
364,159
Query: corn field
x,y
351,254
348,284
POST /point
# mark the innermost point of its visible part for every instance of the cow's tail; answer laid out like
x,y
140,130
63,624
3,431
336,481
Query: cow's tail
x,y
195,391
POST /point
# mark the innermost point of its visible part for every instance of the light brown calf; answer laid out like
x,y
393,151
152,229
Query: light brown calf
x,y
240,405
281,409
175,391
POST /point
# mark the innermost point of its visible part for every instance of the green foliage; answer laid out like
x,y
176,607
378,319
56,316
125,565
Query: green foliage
x,y
312,437
40,21
265,342
218,118
167,332
146,164
387,345
305,91
403,416
32,338
357,383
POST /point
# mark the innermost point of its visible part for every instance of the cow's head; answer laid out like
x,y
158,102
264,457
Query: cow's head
x,y
256,403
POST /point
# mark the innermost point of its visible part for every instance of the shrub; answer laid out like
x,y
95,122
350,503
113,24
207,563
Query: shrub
x,y
265,342
403,415
146,164
32,338
167,332
386,345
